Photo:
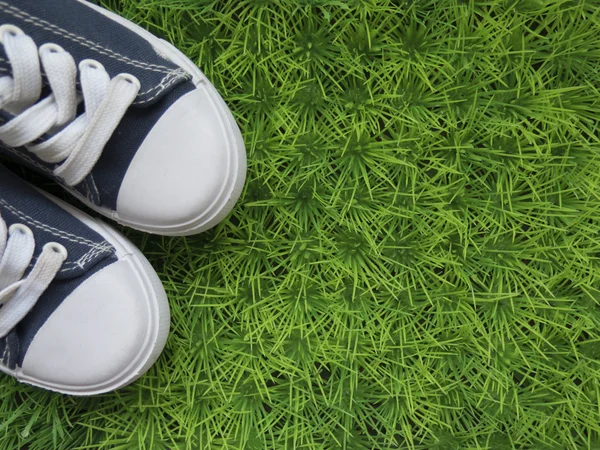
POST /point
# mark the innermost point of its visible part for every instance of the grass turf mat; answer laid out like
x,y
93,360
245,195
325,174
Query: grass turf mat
x,y
415,260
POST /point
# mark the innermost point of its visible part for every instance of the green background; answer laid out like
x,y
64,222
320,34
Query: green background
x,y
415,260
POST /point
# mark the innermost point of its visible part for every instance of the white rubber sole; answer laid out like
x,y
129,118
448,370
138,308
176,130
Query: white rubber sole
x,y
236,176
158,311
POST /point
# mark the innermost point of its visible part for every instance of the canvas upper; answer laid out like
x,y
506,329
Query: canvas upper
x,y
175,164
102,320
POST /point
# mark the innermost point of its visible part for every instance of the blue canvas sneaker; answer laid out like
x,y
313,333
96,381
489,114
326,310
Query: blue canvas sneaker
x,y
122,119
82,311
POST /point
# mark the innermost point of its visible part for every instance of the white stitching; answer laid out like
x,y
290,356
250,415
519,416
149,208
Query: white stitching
x,y
30,160
88,256
165,86
3,359
81,262
38,165
89,193
93,189
178,73
53,231
93,196
16,12
91,254
96,249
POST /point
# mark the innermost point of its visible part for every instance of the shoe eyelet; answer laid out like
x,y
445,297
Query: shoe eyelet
x,y
130,79
51,48
90,63
57,248
19,228
9,29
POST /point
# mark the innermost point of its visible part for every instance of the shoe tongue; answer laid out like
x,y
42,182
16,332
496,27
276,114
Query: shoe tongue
x,y
21,203
88,34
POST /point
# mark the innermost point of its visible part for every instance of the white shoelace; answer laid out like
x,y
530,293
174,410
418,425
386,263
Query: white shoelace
x,y
17,294
75,142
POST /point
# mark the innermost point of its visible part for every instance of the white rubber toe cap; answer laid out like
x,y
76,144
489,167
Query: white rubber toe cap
x,y
100,337
186,170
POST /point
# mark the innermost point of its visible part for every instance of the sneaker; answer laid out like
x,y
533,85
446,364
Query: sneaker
x,y
82,311
122,119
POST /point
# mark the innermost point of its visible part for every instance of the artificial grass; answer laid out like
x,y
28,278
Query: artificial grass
x,y
415,260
